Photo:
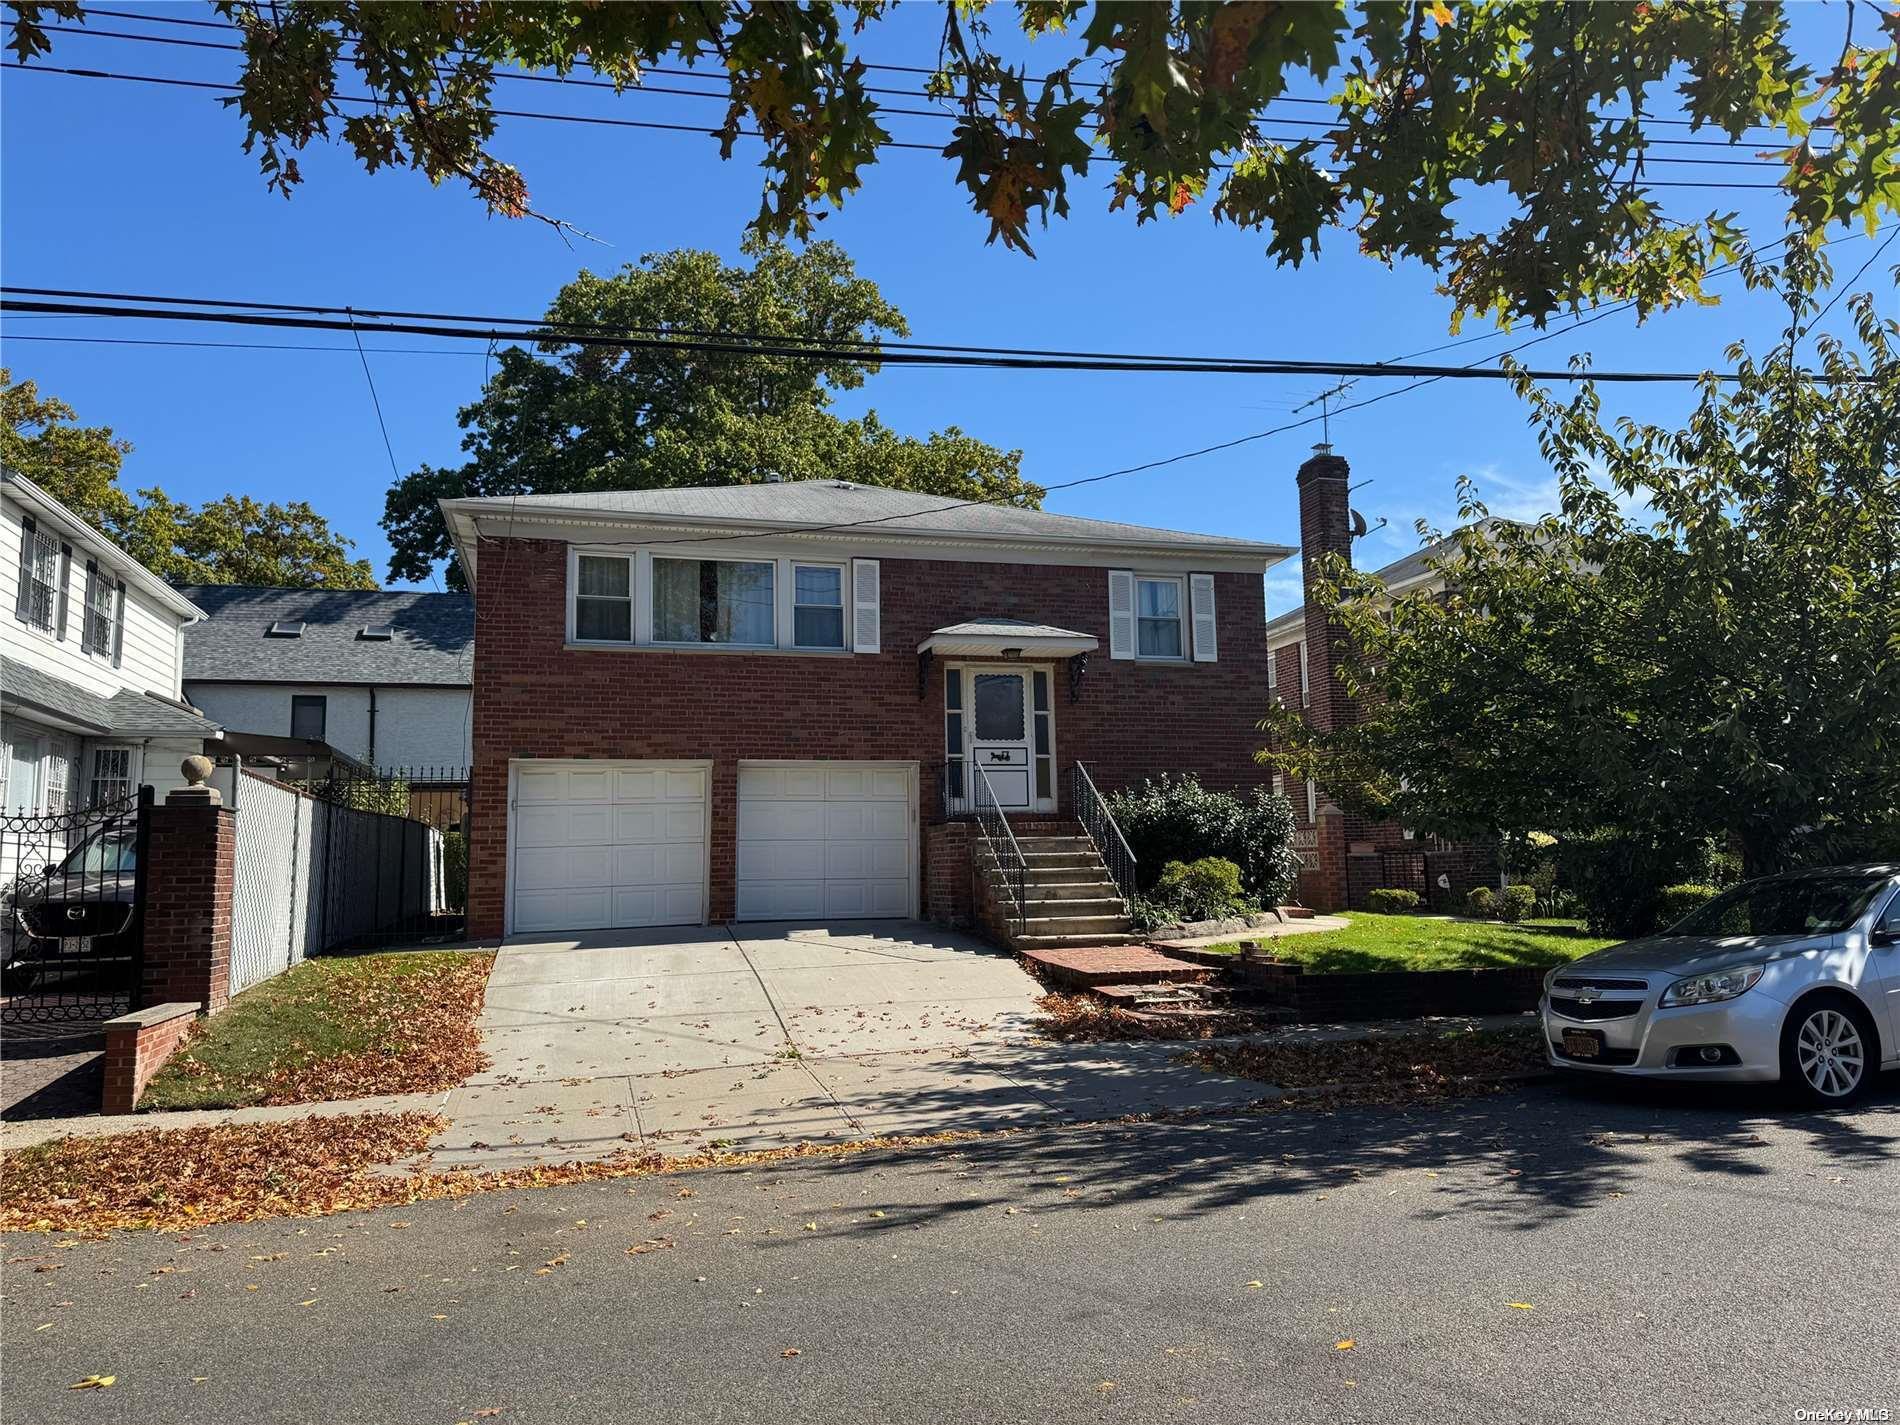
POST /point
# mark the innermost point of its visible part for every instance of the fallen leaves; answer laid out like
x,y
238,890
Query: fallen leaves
x,y
652,1244
789,1352
1413,1068
1084,1019
1345,1345
93,1383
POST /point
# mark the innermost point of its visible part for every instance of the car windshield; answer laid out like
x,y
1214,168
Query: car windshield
x,y
108,853
1783,905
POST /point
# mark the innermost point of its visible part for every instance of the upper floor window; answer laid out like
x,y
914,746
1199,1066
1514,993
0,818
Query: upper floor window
x,y
818,605
105,613
308,713
1306,693
726,601
603,598
39,577
1273,674
1158,632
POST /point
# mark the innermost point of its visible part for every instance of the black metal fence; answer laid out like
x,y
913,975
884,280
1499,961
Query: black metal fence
x,y
72,893
408,798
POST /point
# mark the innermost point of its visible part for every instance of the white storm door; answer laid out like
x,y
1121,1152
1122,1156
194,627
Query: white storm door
x,y
1000,734
826,840
606,845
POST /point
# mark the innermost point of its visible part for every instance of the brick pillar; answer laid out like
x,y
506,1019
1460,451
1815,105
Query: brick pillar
x,y
188,880
1328,881
1325,528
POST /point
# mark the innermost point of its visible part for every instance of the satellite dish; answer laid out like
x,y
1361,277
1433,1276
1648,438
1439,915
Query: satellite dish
x,y
1358,524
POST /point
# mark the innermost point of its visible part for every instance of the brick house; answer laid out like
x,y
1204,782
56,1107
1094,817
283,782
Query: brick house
x,y
768,701
1344,855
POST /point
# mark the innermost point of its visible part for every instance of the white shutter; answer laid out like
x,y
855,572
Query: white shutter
x,y
1121,613
1201,603
865,618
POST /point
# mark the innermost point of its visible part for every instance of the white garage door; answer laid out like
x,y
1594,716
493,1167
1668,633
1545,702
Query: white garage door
x,y
595,845
826,840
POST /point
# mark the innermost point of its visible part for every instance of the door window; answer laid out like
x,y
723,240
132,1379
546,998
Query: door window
x,y
999,707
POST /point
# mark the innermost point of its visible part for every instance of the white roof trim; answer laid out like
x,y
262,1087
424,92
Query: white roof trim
x,y
84,536
951,643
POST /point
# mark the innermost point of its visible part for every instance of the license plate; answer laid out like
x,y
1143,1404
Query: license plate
x,y
1582,1043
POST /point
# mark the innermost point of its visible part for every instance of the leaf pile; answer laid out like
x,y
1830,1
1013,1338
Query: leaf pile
x,y
1085,1019
335,1028
1416,1067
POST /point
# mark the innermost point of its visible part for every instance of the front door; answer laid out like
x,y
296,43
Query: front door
x,y
1000,735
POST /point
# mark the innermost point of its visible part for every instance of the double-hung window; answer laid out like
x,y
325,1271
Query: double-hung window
x,y
39,577
817,606
1306,690
1158,631
105,608
717,601
603,598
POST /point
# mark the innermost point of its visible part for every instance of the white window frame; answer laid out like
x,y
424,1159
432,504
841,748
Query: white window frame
x,y
105,749
1273,674
1312,800
1306,687
574,554
37,544
1180,617
843,571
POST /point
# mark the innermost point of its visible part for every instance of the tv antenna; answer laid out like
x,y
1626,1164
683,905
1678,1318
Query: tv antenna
x,y
1324,401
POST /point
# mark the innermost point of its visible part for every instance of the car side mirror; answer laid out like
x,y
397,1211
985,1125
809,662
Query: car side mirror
x,y
1884,939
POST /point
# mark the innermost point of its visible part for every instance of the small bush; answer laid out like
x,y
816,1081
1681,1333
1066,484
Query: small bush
x,y
1481,903
1206,889
455,870
1618,876
1516,902
1675,902
1174,818
1388,901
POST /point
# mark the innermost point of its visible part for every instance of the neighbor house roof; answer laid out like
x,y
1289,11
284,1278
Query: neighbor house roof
x,y
128,713
823,506
431,636
1400,572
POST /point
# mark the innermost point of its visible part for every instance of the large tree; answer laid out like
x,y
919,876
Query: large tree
x,y
231,540
1704,642
571,417
1542,109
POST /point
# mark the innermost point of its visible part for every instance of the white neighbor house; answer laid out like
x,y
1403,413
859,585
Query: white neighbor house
x,y
382,676
91,663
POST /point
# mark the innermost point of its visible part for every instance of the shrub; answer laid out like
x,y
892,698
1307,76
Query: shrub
x,y
1174,818
1516,902
1619,877
1206,889
1481,903
1674,902
455,870
1388,901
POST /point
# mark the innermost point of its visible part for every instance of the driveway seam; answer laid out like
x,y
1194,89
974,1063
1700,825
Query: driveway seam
x,y
784,1028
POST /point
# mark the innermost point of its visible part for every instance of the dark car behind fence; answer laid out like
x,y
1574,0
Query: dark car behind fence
x,y
72,901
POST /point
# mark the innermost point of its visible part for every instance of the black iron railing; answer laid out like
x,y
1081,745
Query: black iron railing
x,y
1088,807
1006,860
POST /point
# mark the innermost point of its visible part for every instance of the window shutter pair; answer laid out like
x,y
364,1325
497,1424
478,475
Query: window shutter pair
x,y
23,602
866,611
1121,615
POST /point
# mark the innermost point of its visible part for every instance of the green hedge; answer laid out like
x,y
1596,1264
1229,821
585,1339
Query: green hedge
x,y
1207,889
1481,903
1391,901
1174,818
1516,902
1674,902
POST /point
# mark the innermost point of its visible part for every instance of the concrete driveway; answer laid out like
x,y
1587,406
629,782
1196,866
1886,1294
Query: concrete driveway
x,y
760,1035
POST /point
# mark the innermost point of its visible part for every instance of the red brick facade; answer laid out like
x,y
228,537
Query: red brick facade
x,y
534,697
137,1046
188,877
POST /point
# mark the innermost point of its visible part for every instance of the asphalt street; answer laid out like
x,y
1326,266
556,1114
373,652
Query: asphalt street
x,y
1545,1255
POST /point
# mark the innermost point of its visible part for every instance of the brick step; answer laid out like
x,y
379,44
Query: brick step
x,y
1105,961
1029,943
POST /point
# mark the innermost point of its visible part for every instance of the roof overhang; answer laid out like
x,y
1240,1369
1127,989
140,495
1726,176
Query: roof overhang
x,y
996,640
81,535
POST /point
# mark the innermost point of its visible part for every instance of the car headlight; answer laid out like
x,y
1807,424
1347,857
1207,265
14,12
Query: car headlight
x,y
1712,989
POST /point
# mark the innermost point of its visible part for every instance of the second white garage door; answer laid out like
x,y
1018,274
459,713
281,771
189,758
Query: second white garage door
x,y
604,845
827,840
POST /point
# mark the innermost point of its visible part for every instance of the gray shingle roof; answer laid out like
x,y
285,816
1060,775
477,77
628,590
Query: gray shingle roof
x,y
126,714
1007,628
802,503
1409,566
432,636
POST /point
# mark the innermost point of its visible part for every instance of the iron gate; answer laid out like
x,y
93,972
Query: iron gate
x,y
72,894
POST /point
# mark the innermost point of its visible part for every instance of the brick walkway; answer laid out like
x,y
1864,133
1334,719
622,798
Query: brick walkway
x,y
1112,964
51,1070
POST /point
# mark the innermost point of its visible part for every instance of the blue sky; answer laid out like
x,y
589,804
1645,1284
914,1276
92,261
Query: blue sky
x,y
134,188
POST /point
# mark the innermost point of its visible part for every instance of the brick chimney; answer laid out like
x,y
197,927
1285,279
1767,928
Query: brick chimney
x,y
1325,528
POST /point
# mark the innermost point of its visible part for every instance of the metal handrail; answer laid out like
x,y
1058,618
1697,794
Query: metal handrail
x,y
1004,849
1091,809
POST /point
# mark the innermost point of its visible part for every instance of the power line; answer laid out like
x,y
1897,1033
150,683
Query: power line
x,y
926,70
745,345
725,97
236,345
601,121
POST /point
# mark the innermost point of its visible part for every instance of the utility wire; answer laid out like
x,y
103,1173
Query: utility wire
x,y
601,121
748,347
726,97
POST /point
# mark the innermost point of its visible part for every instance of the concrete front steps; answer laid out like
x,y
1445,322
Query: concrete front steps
x,y
1070,900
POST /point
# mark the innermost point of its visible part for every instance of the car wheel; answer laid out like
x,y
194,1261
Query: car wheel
x,y
1827,1052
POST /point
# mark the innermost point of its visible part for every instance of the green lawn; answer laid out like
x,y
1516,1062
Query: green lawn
x,y
335,1028
1414,942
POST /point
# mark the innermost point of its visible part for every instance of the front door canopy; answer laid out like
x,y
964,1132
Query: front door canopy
x,y
1008,638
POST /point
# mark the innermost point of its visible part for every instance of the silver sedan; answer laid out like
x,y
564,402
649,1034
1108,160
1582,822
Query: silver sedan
x,y
1792,978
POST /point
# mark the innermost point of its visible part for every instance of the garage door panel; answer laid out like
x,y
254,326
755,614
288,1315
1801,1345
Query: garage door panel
x,y
825,840
617,845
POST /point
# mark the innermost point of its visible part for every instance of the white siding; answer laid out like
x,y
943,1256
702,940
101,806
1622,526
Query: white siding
x,y
415,727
